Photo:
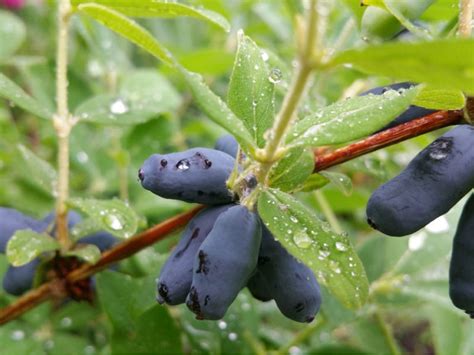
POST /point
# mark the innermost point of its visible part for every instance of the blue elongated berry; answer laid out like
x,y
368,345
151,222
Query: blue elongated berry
x,y
196,175
227,144
434,181
258,287
224,262
19,279
289,282
176,275
461,271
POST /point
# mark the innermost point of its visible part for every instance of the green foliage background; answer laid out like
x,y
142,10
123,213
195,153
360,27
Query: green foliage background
x,y
408,276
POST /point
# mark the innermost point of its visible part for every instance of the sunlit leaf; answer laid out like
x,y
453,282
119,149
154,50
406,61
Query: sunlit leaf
x,y
114,216
350,119
443,63
330,255
89,253
251,88
25,245
293,170
157,8
126,28
439,98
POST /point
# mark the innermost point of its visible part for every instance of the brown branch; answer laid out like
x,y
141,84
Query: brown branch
x,y
55,288
30,300
133,245
388,137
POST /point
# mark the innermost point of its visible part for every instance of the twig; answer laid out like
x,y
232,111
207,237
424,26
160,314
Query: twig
x,y
388,137
30,300
62,123
387,333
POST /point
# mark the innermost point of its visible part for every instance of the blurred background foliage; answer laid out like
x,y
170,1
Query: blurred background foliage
x,y
152,111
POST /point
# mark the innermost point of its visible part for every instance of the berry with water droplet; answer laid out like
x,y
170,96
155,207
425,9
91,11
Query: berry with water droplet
x,y
196,175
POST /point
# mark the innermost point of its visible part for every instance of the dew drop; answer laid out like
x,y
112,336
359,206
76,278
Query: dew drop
x,y
341,246
118,107
183,164
17,335
232,336
264,56
275,76
113,222
302,240
222,325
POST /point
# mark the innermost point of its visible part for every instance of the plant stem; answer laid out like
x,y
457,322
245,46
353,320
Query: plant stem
x,y
466,8
388,137
294,95
62,123
301,336
327,211
387,332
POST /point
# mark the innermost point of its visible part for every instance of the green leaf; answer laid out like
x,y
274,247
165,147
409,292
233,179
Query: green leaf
x,y
439,99
355,8
12,92
126,28
44,173
84,228
442,10
151,336
350,119
447,331
251,89
121,306
443,63
217,110
25,245
143,95
213,61
114,216
328,254
314,182
12,34
89,253
293,170
341,181
157,8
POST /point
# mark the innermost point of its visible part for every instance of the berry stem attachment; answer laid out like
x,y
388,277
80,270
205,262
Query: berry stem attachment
x,y
62,122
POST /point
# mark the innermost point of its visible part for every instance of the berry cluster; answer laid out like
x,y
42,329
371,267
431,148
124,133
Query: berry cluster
x,y
18,280
225,247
